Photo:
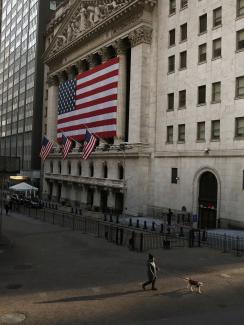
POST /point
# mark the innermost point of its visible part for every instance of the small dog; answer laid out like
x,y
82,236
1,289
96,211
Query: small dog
x,y
194,284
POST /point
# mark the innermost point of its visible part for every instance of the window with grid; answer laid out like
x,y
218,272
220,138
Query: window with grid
x,y
172,7
170,134
183,4
200,131
217,17
201,95
183,60
240,87
240,39
171,63
216,92
182,98
181,133
240,8
170,101
172,37
183,32
203,24
217,48
215,130
239,127
202,53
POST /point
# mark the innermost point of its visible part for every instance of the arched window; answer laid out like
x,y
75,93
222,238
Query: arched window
x,y
120,171
105,170
79,169
59,167
69,168
51,167
91,169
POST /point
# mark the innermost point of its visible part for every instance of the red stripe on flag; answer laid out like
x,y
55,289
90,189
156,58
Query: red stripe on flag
x,y
97,90
98,79
88,125
97,101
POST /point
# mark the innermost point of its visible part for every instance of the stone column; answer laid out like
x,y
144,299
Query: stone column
x,y
52,110
120,48
140,40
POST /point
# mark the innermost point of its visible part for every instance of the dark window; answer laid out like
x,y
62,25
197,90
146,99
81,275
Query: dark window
x,y
183,4
183,32
182,98
181,132
240,8
239,127
203,23
240,87
174,175
240,39
215,130
170,134
201,131
183,60
171,63
59,167
170,101
79,169
217,48
172,7
216,92
172,37
201,95
69,168
105,170
91,169
121,171
217,17
51,167
202,53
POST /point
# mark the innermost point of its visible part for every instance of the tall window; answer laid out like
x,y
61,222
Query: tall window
x,y
174,175
240,39
201,95
79,169
217,48
203,24
59,167
216,92
239,127
181,133
91,170
240,87
69,168
105,170
240,8
215,130
120,171
200,131
172,37
202,53
171,64
172,7
183,60
51,167
217,17
182,98
170,101
170,134
183,4
183,32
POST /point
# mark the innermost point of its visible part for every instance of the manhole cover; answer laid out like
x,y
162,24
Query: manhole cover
x,y
14,286
14,318
23,267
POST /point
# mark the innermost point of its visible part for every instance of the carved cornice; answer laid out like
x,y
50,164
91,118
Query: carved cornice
x,y
140,35
52,81
70,37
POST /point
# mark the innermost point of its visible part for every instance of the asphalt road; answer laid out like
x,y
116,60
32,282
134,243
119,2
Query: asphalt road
x,y
53,275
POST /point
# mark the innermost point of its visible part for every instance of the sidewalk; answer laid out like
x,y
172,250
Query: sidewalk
x,y
67,277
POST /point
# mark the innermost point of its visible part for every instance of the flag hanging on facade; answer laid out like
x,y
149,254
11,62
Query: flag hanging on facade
x,y
89,144
45,148
66,146
89,101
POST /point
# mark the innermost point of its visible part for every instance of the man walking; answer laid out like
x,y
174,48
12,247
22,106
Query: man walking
x,y
151,272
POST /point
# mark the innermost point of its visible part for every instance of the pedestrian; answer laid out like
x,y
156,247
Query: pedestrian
x,y
151,272
169,217
6,208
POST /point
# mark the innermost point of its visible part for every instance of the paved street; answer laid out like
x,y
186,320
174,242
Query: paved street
x,y
53,275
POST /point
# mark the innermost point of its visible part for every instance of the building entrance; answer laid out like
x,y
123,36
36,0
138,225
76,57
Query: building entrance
x,y
207,200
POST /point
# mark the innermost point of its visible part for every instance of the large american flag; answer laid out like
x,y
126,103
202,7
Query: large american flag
x,y
45,148
89,102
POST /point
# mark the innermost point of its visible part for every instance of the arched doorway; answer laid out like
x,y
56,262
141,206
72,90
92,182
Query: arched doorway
x,y
207,200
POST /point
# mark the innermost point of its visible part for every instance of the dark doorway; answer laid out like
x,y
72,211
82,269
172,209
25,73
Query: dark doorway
x,y
208,190
104,201
119,202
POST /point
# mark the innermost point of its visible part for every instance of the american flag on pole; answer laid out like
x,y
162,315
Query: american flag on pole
x,y
89,102
45,148
89,144
66,146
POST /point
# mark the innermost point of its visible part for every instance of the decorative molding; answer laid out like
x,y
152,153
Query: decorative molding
x,y
52,81
140,35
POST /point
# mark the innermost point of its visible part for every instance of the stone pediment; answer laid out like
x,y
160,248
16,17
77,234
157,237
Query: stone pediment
x,y
86,18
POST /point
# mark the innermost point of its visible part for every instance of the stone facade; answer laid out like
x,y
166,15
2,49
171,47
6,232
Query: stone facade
x,y
142,171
